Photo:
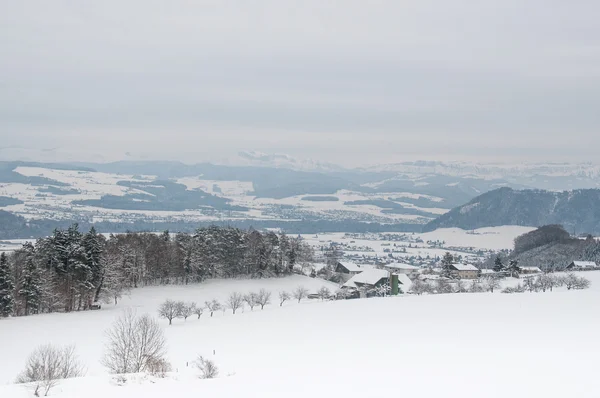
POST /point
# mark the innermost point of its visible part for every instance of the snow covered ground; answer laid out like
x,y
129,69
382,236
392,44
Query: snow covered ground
x,y
467,345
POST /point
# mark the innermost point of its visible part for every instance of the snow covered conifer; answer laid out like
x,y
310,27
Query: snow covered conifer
x,y
31,283
7,286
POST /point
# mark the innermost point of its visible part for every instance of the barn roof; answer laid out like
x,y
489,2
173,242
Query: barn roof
x,y
464,267
350,266
584,264
402,266
367,277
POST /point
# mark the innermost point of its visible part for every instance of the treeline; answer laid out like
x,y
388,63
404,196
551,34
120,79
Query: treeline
x,y
71,270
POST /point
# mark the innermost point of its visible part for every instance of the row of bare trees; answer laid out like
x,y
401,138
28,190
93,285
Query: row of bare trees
x,y
443,286
236,301
547,282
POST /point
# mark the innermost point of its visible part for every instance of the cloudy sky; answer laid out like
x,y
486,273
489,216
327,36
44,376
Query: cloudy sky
x,y
352,81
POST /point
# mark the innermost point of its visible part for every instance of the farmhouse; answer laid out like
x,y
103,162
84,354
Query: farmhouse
x,y
582,266
368,279
465,271
400,268
348,267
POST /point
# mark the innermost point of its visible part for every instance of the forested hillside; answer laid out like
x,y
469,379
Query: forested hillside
x,y
70,270
578,211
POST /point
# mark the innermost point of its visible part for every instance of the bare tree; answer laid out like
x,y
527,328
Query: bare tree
x,y
235,301
300,293
324,293
48,364
460,286
208,369
212,306
198,310
443,286
264,298
251,299
418,287
476,287
185,310
169,310
576,282
493,283
283,297
134,344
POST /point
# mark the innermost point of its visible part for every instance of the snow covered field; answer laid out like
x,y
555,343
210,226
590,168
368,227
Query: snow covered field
x,y
467,345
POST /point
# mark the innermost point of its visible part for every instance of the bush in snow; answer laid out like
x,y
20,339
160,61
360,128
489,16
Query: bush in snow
x,y
443,286
516,289
476,287
158,367
263,298
135,344
460,286
169,310
492,284
573,281
48,364
207,368
300,293
283,297
235,301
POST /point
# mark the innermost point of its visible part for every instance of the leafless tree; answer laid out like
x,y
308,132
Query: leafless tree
x,y
264,298
324,293
443,286
493,283
134,344
418,287
48,364
476,287
576,282
212,306
208,369
251,299
185,310
283,297
198,310
300,293
169,310
235,301
460,286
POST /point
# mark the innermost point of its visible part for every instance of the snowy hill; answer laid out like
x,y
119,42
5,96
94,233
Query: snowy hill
x,y
473,345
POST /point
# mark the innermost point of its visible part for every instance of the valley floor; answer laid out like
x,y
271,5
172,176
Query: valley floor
x,y
467,345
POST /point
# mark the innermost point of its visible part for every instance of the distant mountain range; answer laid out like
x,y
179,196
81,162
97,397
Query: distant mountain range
x,y
280,191
578,210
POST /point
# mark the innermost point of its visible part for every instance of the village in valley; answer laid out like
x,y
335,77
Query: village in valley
x,y
368,265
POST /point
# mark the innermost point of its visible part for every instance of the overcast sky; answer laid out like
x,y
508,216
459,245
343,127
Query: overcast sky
x,y
350,81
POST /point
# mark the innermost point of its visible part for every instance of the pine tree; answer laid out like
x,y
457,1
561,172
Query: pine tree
x,y
7,286
93,246
498,266
31,290
447,262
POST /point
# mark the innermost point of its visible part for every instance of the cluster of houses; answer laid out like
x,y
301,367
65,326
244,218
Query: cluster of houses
x,y
361,278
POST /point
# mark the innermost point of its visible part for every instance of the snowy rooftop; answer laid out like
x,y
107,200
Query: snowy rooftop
x,y
350,266
402,266
404,282
585,264
465,267
536,269
369,277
